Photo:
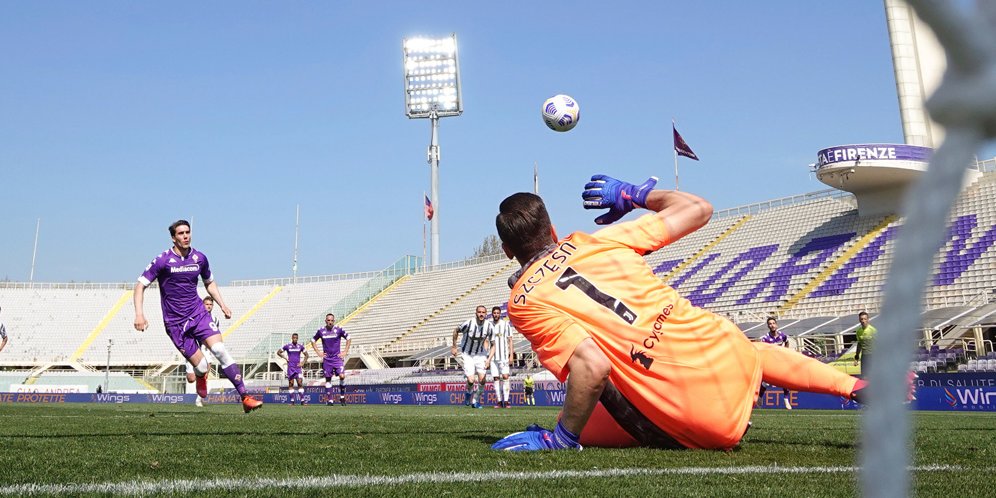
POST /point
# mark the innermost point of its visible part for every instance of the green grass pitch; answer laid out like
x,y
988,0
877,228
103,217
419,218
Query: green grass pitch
x,y
444,451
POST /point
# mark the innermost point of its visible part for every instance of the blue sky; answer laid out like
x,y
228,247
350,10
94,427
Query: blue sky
x,y
117,118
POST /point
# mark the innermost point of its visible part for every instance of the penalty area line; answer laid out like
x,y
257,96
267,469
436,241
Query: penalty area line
x,y
351,481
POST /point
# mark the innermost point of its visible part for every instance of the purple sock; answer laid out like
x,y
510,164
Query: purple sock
x,y
234,374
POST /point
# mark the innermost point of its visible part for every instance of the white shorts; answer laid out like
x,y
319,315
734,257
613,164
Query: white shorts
x,y
473,365
499,367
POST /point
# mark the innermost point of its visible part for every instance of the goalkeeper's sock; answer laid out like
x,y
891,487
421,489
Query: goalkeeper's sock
x,y
563,438
786,368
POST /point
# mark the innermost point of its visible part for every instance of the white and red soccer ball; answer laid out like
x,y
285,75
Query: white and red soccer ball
x,y
561,113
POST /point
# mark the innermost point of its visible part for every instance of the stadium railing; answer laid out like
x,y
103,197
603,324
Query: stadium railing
x,y
793,200
403,266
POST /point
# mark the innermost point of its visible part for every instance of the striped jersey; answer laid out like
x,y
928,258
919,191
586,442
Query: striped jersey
x,y
502,330
474,335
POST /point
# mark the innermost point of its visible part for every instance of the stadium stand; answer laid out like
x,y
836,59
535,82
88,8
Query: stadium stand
x,y
810,260
417,300
117,381
964,269
294,308
47,322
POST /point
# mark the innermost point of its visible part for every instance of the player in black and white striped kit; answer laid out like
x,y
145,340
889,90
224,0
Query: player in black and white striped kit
x,y
3,335
500,356
473,350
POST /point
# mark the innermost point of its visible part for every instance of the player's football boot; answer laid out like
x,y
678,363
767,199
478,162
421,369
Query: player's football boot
x,y
249,404
202,385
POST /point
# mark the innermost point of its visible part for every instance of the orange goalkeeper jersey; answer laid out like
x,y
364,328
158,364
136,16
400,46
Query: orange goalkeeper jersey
x,y
691,373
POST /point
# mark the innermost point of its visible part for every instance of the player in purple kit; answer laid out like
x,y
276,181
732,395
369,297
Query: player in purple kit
x,y
187,322
331,336
292,353
774,336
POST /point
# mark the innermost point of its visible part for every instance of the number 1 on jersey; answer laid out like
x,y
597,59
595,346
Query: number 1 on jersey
x,y
572,277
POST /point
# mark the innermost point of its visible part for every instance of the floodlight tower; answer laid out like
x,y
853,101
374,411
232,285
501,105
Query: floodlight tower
x,y
432,90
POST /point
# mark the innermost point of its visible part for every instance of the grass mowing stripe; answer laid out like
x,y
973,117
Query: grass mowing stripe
x,y
347,481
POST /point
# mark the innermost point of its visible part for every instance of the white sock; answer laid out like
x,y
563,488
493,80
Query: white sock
x,y
201,368
508,389
221,353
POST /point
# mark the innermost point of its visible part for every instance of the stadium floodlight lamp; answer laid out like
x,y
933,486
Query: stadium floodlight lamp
x,y
432,90
432,77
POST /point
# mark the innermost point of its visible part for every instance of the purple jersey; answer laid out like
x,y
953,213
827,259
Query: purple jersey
x,y
293,353
178,283
778,338
331,339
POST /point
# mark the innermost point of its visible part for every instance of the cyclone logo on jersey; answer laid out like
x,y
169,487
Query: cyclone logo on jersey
x,y
640,356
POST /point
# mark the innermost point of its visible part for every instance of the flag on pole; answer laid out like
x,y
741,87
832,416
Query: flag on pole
x,y
429,211
681,147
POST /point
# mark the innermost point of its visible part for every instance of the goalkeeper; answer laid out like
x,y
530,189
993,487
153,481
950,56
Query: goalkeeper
x,y
647,368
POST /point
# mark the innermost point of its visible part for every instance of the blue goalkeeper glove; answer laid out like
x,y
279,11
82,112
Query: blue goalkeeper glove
x,y
619,196
537,438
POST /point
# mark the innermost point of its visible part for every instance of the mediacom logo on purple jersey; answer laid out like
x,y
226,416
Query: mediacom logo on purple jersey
x,y
184,269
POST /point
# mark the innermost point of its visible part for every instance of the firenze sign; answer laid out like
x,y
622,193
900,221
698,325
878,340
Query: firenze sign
x,y
872,152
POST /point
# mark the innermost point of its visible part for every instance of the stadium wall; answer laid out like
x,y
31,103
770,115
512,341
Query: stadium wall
x,y
937,392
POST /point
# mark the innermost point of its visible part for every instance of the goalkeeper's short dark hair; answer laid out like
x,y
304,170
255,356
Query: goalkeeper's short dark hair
x,y
523,224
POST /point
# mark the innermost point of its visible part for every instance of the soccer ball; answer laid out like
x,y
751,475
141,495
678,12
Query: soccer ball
x,y
561,113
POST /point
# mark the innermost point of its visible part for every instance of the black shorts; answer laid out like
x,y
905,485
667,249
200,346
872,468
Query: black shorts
x,y
528,391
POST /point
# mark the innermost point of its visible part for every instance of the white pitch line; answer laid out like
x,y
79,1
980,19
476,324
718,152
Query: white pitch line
x,y
348,481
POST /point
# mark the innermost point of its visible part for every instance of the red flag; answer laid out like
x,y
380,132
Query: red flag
x,y
681,147
429,211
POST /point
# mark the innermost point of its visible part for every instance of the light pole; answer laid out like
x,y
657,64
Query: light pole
x,y
432,90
